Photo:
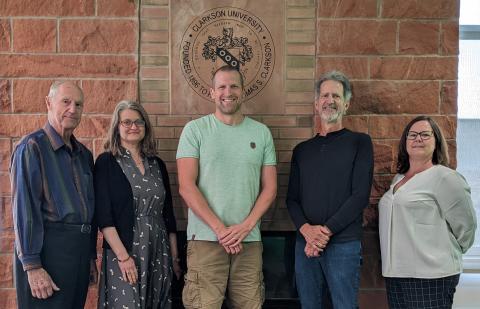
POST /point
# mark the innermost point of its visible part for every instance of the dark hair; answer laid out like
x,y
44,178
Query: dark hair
x,y
440,153
227,68
338,77
147,144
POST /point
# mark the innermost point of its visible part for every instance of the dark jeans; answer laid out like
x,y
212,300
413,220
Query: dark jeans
x,y
66,258
337,268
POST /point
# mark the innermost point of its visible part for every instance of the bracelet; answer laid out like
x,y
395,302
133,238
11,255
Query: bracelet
x,y
176,259
123,261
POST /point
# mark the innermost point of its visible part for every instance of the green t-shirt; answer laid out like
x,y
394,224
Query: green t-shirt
x,y
230,163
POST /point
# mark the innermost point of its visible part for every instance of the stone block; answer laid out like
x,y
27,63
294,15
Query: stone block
x,y
156,108
163,85
301,24
356,123
29,95
101,96
154,36
5,33
5,153
154,72
7,238
164,132
98,36
8,299
300,73
154,60
448,98
93,126
380,185
353,67
154,12
299,109
5,188
383,153
391,127
301,97
173,121
392,97
358,37
34,35
47,8
296,133
58,66
284,156
300,12
449,38
5,97
300,49
6,271
434,9
418,38
414,68
346,8
299,85
154,24
154,49
19,125
117,8
286,144
305,36
280,121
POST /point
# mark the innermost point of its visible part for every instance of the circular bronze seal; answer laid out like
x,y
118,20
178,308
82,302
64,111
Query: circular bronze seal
x,y
227,35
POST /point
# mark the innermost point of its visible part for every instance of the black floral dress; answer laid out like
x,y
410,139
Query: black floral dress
x,y
150,249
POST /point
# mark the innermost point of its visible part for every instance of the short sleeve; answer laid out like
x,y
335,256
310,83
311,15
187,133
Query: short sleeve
x,y
269,156
189,144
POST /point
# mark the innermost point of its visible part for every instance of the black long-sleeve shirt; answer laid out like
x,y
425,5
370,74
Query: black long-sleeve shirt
x,y
330,182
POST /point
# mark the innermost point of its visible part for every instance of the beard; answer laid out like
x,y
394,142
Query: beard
x,y
331,115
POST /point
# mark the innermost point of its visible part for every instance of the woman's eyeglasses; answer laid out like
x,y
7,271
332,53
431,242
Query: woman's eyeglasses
x,y
424,135
127,123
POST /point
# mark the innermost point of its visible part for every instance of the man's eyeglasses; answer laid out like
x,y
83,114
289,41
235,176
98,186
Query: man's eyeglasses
x,y
127,123
424,135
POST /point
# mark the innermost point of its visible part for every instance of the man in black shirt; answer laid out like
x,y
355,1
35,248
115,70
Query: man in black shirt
x,y
329,186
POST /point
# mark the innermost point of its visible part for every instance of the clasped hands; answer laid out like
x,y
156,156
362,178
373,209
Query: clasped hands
x,y
317,238
231,237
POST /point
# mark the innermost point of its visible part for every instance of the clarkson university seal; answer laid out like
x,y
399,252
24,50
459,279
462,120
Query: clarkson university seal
x,y
232,36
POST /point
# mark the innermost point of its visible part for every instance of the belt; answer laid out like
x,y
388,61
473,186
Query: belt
x,y
82,228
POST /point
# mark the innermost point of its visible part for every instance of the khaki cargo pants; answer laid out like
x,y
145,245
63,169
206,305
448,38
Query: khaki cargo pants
x,y
212,272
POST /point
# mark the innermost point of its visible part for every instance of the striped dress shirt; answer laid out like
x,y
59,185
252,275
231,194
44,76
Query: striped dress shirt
x,y
50,182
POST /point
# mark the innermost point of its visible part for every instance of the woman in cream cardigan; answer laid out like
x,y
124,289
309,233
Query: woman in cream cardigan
x,y
426,222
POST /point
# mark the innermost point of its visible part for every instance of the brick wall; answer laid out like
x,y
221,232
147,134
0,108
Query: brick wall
x,y
401,56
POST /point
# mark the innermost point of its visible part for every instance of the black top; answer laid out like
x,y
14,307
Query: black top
x,y
114,199
330,182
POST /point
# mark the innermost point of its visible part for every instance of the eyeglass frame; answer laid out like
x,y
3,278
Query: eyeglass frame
x,y
139,123
417,134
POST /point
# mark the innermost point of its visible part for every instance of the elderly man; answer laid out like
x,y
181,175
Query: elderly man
x,y
328,189
53,205
227,176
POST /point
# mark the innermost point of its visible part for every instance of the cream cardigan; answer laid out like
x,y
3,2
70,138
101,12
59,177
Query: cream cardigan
x,y
426,225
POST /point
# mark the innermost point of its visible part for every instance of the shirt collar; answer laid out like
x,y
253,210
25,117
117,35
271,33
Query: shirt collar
x,y
57,141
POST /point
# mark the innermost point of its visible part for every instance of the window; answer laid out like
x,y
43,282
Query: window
x,y
468,129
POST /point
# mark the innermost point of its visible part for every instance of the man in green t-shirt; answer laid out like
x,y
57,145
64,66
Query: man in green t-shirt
x,y
227,177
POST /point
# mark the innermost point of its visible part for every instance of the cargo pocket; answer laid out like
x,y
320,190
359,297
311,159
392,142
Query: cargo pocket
x,y
191,291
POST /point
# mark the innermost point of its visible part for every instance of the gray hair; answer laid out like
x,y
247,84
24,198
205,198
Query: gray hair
x,y
56,84
147,144
338,77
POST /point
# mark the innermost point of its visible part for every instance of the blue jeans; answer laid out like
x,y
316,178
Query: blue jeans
x,y
337,268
